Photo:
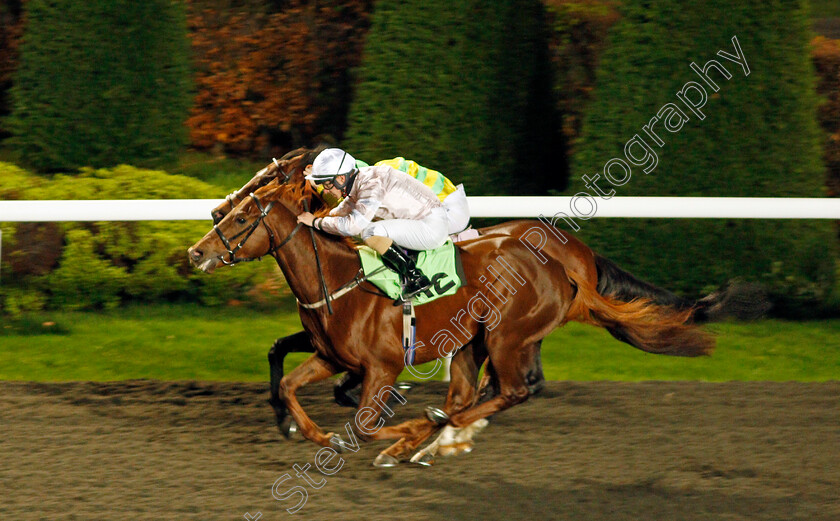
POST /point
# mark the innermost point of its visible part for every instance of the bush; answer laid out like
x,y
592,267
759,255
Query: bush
x,y
272,78
759,138
101,82
11,27
467,92
826,56
83,279
102,265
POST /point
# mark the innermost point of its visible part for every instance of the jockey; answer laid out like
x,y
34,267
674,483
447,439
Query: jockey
x,y
454,198
408,213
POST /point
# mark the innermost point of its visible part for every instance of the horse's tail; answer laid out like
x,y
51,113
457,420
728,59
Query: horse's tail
x,y
736,299
655,323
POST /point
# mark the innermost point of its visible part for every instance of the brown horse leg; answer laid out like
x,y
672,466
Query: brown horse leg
x,y
298,342
301,342
462,395
377,389
312,370
511,366
489,386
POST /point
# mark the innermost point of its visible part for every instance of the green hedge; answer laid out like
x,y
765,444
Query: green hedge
x,y
104,264
759,138
464,87
100,83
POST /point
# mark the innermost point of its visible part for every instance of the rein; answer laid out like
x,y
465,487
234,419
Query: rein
x,y
318,263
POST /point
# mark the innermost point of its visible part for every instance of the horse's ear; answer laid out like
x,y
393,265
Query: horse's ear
x,y
272,170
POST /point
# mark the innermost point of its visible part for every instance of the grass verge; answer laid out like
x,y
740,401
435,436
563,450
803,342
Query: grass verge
x,y
190,342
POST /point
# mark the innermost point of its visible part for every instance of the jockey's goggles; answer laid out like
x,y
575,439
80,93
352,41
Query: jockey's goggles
x,y
330,182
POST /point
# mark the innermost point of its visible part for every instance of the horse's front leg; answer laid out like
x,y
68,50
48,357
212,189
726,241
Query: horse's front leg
x,y
301,342
462,395
314,369
379,393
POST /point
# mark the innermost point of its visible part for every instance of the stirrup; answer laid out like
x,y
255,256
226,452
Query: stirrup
x,y
413,294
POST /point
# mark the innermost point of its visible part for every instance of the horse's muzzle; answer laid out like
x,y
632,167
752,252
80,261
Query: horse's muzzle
x,y
198,259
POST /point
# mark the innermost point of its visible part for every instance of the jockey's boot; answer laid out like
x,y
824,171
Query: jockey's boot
x,y
414,281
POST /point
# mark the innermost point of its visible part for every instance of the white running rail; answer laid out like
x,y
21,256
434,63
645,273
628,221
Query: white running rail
x,y
506,207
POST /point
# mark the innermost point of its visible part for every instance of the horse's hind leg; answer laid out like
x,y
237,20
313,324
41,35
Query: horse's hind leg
x,y
457,440
312,370
511,368
489,386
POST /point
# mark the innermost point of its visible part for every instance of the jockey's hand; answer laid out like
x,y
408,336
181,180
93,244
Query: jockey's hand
x,y
306,218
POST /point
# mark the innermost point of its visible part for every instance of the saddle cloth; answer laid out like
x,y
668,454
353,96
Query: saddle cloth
x,y
442,265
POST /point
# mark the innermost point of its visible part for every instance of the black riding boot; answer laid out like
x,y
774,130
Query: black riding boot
x,y
412,278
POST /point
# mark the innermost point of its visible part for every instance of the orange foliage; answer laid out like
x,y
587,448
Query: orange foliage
x,y
263,79
826,56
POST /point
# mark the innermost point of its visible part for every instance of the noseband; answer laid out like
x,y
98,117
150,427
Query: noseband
x,y
247,232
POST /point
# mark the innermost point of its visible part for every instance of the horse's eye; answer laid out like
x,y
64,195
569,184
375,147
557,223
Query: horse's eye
x,y
241,220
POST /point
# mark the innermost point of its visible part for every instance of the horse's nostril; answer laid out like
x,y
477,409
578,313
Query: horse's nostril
x,y
196,254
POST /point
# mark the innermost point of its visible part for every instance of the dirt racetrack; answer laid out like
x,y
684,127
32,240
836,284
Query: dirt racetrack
x,y
596,451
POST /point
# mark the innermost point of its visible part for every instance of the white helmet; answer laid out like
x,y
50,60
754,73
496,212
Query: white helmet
x,y
330,163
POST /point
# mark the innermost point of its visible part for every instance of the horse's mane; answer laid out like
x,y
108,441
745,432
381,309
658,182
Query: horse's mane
x,y
298,192
309,153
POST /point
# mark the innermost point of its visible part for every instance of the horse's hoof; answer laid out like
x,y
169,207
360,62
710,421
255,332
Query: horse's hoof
x,y
423,458
337,443
536,387
288,427
480,425
404,387
384,461
437,415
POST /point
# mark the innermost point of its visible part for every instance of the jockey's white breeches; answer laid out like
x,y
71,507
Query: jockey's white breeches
x,y
457,210
420,234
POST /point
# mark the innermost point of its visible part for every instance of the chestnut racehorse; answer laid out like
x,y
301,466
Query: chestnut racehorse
x,y
289,168
514,295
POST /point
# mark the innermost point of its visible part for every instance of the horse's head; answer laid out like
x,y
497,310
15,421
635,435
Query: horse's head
x,y
287,169
244,233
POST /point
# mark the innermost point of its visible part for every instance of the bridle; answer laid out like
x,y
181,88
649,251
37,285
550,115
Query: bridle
x,y
272,248
247,232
